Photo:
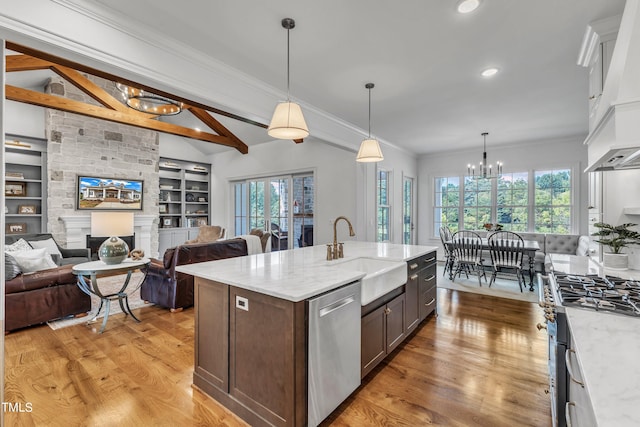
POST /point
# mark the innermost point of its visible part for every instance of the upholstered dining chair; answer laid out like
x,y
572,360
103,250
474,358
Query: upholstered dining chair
x,y
467,251
507,253
445,236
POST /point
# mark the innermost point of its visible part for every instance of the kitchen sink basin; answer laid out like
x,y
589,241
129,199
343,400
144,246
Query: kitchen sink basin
x,y
382,276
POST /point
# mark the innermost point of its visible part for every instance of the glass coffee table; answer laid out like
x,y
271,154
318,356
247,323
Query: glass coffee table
x,y
95,269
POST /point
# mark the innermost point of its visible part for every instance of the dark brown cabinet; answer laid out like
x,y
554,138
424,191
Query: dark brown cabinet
x,y
251,355
383,329
420,289
387,321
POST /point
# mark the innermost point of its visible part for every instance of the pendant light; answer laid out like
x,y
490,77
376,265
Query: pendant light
x,y
369,148
287,121
485,170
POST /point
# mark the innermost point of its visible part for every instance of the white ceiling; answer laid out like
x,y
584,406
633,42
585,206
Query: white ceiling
x,y
424,58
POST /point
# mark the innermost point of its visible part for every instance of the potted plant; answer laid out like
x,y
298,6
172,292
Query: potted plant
x,y
616,238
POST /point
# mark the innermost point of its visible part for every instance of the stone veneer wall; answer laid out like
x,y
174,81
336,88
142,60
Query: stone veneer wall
x,y
81,145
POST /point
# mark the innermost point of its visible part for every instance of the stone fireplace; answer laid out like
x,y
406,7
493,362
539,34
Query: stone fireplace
x,y
79,145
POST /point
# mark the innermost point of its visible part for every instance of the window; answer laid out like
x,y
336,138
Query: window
x,y
477,202
537,201
407,211
240,208
512,205
553,201
447,203
384,207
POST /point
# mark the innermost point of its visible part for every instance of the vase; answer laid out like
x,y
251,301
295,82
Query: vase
x,y
113,251
616,261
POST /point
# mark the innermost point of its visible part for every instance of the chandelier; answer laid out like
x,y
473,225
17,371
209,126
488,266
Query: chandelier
x,y
148,102
485,170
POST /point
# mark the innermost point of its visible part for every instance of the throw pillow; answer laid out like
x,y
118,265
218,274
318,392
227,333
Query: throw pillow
x,y
583,246
49,244
11,267
19,245
33,260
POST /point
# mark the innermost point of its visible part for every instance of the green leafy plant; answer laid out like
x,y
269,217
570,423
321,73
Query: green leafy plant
x,y
616,237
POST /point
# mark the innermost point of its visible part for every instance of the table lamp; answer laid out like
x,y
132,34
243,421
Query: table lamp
x,y
113,250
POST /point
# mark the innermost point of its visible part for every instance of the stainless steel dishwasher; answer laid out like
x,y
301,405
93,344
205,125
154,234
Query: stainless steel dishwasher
x,y
334,350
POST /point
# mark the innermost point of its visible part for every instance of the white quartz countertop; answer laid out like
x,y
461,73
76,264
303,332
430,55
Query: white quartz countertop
x,y
298,274
608,349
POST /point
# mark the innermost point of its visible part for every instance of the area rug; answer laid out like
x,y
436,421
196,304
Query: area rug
x,y
107,285
503,287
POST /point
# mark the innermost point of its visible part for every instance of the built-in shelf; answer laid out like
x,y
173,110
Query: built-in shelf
x,y
631,211
25,184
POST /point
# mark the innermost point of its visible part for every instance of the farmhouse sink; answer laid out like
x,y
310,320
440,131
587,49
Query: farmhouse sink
x,y
381,276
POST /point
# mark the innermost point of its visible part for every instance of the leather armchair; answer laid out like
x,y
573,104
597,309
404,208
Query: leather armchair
x,y
166,287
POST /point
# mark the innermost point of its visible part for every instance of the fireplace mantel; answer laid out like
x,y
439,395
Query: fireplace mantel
x,y
78,227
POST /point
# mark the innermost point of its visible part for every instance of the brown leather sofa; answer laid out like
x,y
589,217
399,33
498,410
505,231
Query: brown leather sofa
x,y
166,287
41,296
38,297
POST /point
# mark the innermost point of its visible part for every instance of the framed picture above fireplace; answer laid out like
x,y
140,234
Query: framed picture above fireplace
x,y
98,193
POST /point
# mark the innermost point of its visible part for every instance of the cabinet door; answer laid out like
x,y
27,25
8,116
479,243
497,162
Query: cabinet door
x,y
212,349
395,322
412,302
373,348
267,362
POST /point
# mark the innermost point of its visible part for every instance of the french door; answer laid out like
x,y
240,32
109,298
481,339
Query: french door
x,y
282,205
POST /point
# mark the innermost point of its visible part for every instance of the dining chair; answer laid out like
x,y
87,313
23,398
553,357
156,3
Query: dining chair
x,y
467,252
445,236
507,253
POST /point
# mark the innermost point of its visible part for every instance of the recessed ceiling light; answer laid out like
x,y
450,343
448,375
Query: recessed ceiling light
x,y
466,6
489,72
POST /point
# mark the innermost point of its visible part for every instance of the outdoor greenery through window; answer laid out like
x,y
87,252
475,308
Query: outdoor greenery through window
x,y
447,203
477,202
553,201
535,201
513,201
384,207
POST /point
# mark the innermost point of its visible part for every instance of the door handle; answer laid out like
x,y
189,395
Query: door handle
x,y
336,305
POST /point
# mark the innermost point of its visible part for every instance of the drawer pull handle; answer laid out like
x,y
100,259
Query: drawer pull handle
x,y
430,302
430,259
567,413
387,311
413,266
567,361
428,279
414,277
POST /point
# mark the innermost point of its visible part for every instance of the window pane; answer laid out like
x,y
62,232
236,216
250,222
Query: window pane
x,y
553,201
384,208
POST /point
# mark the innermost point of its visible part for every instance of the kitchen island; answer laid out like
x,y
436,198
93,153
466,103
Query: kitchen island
x,y
607,346
253,339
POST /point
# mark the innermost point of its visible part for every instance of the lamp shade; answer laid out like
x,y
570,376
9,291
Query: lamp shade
x,y
288,122
106,224
369,151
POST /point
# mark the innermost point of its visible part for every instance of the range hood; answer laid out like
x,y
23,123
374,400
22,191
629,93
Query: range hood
x,y
614,142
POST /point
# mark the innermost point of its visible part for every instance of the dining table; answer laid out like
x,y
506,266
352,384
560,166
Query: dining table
x,y
530,248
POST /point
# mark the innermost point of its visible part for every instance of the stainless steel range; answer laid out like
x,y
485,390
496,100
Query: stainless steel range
x,y
559,290
609,294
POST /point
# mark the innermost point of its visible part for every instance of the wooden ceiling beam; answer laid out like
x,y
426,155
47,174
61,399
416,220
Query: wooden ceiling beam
x,y
25,63
215,125
95,91
64,104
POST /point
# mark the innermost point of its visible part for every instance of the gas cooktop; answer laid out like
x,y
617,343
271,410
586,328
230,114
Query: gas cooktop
x,y
609,294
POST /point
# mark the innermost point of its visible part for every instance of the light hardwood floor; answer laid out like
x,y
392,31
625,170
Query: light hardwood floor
x,y
480,362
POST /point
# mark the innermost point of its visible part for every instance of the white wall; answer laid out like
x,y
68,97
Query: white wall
x,y
523,157
335,180
24,119
339,183
621,189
